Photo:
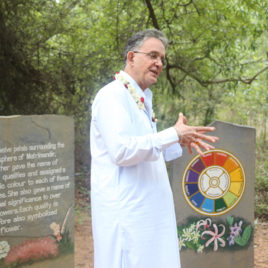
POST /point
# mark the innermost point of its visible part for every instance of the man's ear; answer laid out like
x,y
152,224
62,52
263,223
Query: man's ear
x,y
130,57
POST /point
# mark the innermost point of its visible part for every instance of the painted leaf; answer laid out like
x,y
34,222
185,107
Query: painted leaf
x,y
243,240
230,220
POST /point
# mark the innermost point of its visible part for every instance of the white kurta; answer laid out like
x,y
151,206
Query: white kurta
x,y
133,216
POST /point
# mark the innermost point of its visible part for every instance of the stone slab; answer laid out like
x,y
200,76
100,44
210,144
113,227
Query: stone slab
x,y
36,188
217,192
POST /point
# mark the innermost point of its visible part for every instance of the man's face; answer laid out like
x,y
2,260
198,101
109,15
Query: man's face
x,y
146,63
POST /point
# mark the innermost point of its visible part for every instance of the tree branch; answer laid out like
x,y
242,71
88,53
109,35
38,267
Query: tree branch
x,y
152,14
185,5
169,78
196,8
205,83
172,83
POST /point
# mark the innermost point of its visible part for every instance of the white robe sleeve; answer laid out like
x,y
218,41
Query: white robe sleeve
x,y
111,116
172,152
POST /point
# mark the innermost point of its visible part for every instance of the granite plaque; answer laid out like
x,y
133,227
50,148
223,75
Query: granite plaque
x,y
214,201
37,191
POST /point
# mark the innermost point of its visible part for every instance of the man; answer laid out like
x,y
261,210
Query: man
x,y
133,217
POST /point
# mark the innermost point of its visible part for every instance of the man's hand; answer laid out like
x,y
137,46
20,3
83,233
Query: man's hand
x,y
193,137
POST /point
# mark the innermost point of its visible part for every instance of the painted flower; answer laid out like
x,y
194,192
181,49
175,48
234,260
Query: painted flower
x,y
29,250
192,227
187,234
195,236
4,249
236,229
200,249
231,240
58,237
55,228
215,237
203,223
181,243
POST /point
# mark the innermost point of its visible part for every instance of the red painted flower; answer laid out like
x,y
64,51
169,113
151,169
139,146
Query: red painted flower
x,y
142,99
125,85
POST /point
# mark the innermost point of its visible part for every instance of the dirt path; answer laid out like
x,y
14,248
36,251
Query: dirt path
x,y
84,243
261,246
83,250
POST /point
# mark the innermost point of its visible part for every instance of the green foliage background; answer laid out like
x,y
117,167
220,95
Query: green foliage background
x,y
56,54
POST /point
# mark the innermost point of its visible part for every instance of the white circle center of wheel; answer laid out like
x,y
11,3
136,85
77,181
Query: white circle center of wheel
x,y
214,182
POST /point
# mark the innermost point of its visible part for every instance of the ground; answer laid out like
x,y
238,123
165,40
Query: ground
x,y
83,241
261,245
84,244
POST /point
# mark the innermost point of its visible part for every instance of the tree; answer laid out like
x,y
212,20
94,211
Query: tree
x,y
56,54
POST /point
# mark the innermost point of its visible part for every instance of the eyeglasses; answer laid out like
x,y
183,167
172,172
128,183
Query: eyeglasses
x,y
154,56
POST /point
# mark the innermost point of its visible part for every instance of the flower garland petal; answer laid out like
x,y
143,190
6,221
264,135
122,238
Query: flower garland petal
x,y
139,100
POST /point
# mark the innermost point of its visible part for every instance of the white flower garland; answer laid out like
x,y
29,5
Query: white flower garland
x,y
139,100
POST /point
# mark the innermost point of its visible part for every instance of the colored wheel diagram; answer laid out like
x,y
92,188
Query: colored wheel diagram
x,y
214,184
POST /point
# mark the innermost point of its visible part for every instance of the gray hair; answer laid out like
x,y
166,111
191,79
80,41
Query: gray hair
x,y
138,39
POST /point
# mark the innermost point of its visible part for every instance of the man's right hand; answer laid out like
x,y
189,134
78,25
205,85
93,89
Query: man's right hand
x,y
193,136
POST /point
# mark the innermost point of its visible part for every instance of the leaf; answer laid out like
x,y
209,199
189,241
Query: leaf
x,y
190,245
243,240
230,220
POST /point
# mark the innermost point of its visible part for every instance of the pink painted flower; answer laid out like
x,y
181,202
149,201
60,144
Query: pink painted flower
x,y
142,99
35,249
215,237
205,223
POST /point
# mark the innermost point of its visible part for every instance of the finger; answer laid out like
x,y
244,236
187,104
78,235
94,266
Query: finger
x,y
204,129
181,118
208,138
192,136
205,145
197,148
184,120
189,148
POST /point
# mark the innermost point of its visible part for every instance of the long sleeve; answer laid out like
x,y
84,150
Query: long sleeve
x,y
113,122
172,152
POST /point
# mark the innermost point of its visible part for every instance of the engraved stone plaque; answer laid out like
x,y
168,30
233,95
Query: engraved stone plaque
x,y
37,191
